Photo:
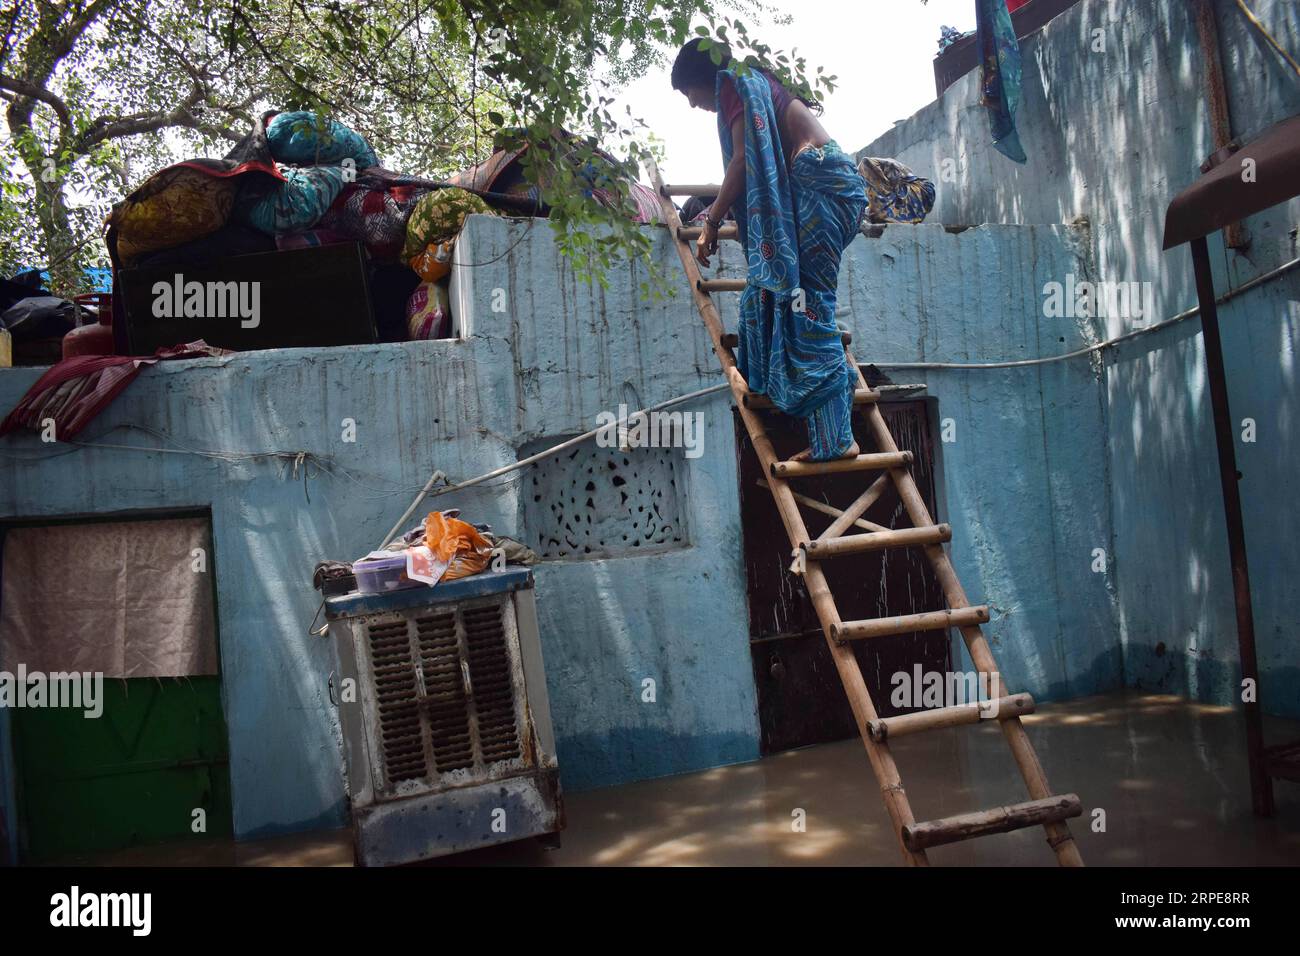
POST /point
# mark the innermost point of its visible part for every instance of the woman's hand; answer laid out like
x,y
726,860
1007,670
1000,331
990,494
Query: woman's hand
x,y
707,244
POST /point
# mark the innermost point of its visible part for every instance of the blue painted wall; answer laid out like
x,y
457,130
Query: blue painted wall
x,y
1113,135
1023,465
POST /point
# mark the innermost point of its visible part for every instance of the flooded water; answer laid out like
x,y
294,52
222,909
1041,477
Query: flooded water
x,y
1168,776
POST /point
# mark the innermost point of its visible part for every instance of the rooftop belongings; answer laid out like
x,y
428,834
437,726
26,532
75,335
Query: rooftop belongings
x,y
299,180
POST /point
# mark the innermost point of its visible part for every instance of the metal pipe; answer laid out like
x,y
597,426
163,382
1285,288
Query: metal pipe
x,y
1228,296
1261,788
428,492
1216,99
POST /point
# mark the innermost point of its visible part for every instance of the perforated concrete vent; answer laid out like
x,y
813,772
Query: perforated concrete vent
x,y
593,502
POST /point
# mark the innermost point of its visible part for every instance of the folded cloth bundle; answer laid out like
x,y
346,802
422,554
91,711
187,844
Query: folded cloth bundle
x,y
428,312
374,211
431,231
174,205
439,216
296,204
75,390
894,192
304,138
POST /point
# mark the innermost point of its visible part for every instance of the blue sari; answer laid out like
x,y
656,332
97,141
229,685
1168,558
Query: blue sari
x,y
794,223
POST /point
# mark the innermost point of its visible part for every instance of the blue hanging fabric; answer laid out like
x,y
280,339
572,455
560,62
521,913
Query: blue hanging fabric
x,y
1001,80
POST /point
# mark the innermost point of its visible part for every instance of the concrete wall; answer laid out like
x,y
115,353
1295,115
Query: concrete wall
x,y
545,368
1024,471
554,357
1113,135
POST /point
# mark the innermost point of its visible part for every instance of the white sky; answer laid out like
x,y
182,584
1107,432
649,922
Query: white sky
x,y
884,60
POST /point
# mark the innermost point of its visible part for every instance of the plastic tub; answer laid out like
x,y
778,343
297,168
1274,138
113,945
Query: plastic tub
x,y
381,575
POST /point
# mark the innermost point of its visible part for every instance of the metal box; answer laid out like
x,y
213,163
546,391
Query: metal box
x,y
446,726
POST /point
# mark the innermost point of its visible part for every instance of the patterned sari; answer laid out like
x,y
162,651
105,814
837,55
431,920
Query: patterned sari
x,y
794,225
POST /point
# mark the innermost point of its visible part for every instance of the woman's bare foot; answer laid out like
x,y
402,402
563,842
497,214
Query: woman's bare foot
x,y
806,455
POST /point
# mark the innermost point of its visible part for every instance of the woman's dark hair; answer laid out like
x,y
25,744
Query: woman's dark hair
x,y
695,67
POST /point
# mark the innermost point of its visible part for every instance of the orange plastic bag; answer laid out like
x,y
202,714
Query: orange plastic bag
x,y
458,543
434,263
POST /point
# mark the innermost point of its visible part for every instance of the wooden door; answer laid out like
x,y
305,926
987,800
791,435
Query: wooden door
x,y
800,698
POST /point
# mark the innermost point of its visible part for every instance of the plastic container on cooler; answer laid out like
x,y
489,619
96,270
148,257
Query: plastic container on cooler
x,y
381,575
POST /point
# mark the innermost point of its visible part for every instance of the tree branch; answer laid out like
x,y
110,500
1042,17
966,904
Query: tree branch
x,y
112,127
33,92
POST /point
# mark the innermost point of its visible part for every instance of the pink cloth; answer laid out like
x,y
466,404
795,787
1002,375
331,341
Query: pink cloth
x,y
74,391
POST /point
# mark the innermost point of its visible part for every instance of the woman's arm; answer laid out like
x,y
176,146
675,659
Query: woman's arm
x,y
733,183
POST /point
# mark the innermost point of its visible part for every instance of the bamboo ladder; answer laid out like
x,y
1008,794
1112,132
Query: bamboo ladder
x,y
1044,808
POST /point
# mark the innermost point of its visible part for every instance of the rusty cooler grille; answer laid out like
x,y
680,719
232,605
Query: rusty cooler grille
x,y
446,688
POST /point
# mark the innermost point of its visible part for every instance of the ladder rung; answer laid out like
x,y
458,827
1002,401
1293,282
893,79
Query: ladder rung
x,y
691,190
921,836
722,285
731,340
861,396
728,231
1001,708
910,623
877,461
877,541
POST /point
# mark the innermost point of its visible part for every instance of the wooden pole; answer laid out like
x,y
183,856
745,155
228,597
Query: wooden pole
x,y
861,396
1216,99
824,547
853,512
696,189
872,462
822,507
910,623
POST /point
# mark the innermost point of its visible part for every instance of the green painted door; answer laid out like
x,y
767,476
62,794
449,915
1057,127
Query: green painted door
x,y
134,775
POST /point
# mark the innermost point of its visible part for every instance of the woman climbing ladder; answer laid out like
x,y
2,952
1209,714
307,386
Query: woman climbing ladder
x,y
797,200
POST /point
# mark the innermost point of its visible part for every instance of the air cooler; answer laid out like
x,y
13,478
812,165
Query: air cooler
x,y
446,727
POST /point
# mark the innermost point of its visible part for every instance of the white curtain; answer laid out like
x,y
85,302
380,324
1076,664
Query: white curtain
x,y
122,598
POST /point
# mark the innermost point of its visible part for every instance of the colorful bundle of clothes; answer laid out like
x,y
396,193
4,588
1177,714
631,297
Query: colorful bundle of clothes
x,y
306,139
894,192
432,228
177,205
299,180
374,213
428,312
298,203
503,173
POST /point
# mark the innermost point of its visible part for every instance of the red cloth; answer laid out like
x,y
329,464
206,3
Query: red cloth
x,y
1014,5
74,391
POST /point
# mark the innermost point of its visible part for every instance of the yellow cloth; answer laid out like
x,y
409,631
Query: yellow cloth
x,y
175,205
438,217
